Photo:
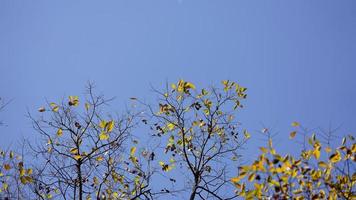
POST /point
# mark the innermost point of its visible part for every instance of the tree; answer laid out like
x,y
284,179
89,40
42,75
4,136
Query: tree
x,y
201,134
83,155
319,172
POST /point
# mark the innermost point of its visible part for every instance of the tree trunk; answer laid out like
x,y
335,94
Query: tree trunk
x,y
192,195
80,181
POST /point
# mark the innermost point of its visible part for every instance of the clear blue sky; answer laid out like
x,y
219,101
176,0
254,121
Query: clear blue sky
x,y
297,58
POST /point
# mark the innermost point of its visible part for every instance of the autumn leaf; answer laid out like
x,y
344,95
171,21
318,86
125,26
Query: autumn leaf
x,y
292,134
29,171
110,126
59,132
336,157
132,151
102,124
165,167
170,126
7,167
103,136
77,157
54,107
263,149
316,153
73,150
73,101
99,158
295,124
322,164
184,86
41,109
247,134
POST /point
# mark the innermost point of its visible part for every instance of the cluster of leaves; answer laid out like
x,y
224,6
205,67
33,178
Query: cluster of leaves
x,y
320,172
85,154
14,176
200,132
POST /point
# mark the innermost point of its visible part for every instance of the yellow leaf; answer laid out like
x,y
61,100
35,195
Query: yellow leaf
x,y
235,179
102,124
115,195
73,100
73,150
132,151
22,171
29,171
59,132
55,107
238,178
103,136
264,150
226,84
99,158
322,164
295,124
336,157
184,86
110,126
251,177
316,153
208,103
247,134
190,85
170,126
23,180
77,157
292,134
353,148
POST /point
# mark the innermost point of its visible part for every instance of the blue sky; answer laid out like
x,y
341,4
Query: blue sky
x,y
297,58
